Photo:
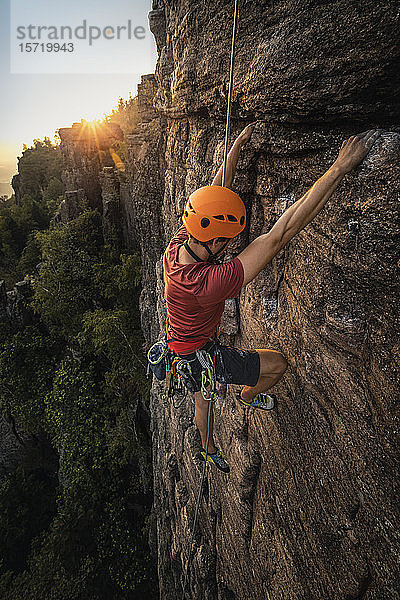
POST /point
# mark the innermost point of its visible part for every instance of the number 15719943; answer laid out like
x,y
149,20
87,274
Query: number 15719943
x,y
46,47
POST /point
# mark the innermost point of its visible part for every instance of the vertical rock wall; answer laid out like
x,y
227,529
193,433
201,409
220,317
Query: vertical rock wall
x,y
310,509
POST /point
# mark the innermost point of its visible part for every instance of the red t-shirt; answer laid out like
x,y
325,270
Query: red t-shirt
x,y
196,295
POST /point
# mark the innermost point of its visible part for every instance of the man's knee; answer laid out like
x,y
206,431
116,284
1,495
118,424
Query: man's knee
x,y
282,362
272,361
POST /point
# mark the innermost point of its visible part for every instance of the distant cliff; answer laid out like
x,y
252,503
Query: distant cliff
x,y
310,509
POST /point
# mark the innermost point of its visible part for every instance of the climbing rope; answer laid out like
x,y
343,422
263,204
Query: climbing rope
x,y
228,118
228,112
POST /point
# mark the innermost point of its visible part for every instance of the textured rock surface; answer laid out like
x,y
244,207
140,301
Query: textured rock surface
x,y
310,509
86,152
14,305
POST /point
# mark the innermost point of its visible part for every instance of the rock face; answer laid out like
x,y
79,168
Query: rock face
x,y
310,509
87,159
14,305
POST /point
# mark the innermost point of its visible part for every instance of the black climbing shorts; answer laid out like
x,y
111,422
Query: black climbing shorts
x,y
232,365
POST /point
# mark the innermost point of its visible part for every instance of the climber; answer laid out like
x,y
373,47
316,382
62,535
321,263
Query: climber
x,y
196,288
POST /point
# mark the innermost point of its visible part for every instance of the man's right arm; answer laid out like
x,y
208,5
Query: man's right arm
x,y
263,249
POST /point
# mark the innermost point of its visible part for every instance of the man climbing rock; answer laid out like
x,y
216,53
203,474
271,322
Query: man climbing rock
x,y
196,289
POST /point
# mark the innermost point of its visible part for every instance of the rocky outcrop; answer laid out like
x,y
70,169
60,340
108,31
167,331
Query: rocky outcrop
x,y
14,305
144,205
87,149
16,185
310,508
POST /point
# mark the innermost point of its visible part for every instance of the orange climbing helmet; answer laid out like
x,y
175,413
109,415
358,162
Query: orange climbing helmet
x,y
214,211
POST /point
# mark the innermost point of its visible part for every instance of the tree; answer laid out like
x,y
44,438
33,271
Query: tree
x,y
37,166
77,376
53,195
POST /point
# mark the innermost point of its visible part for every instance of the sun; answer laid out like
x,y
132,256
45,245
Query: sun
x,y
94,124
96,130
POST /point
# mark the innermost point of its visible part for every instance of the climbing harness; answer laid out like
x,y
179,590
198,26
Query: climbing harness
x,y
159,359
177,370
228,115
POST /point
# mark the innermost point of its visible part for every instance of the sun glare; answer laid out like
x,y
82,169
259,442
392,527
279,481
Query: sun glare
x,y
94,124
97,130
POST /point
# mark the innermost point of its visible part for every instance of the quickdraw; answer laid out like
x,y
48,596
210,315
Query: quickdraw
x,y
181,381
208,378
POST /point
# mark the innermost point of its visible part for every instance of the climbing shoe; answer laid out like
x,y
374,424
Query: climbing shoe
x,y
262,401
217,459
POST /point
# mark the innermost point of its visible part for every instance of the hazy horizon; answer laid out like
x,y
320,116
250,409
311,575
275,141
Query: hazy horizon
x,y
35,106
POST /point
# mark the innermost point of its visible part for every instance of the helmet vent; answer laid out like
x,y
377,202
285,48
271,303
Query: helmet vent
x,y
219,217
205,222
241,220
232,218
191,208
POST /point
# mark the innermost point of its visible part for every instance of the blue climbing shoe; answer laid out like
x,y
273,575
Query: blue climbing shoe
x,y
217,459
262,401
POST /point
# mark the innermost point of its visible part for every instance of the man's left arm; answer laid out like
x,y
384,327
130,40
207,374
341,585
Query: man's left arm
x,y
233,157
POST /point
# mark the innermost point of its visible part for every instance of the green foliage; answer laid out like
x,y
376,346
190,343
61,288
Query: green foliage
x,y
39,193
66,286
53,194
29,258
37,166
12,241
77,377
27,364
6,201
126,114
27,506
16,224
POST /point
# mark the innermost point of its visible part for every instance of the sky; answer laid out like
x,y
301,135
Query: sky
x,y
36,105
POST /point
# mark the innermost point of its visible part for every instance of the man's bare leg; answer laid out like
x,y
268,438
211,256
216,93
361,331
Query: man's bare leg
x,y
272,366
201,419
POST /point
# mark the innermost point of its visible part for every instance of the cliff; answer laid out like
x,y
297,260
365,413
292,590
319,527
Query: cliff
x,y
310,509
